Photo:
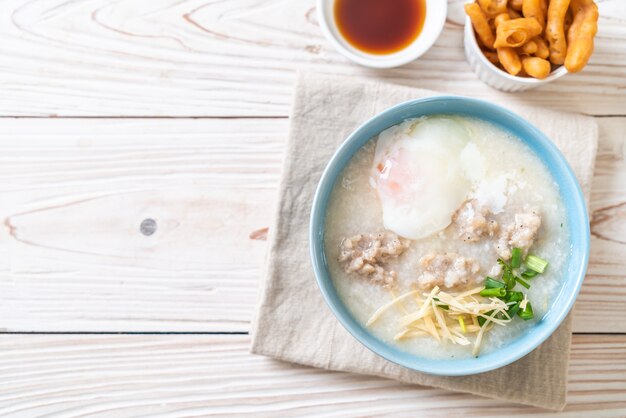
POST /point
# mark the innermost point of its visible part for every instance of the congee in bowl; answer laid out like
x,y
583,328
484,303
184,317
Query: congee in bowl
x,y
446,237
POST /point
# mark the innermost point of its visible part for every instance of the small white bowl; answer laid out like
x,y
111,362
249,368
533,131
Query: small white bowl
x,y
433,24
495,77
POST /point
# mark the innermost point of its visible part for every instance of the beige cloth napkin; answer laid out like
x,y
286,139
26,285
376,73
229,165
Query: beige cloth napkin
x,y
293,322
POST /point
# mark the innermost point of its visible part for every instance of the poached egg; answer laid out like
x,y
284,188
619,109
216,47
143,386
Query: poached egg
x,y
419,175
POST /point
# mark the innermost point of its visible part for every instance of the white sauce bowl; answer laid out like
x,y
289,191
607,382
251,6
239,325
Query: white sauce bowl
x,y
433,24
494,76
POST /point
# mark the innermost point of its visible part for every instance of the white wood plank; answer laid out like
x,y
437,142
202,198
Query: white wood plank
x,y
236,57
605,284
73,193
196,375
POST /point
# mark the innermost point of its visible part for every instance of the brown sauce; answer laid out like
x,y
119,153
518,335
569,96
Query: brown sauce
x,y
380,26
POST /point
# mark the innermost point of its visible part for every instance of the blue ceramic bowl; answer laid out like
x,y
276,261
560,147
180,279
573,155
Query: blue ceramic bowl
x,y
571,195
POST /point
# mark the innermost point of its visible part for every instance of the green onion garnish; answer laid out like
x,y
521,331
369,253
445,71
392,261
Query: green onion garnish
x,y
535,263
529,274
509,279
441,305
504,289
513,309
481,320
527,312
522,282
497,292
514,296
516,257
507,274
492,284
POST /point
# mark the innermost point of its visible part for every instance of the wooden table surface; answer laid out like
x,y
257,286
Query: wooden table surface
x,y
113,114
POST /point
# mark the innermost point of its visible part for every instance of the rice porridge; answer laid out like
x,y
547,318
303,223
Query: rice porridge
x,y
434,231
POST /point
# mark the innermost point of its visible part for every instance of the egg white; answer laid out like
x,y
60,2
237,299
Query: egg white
x,y
419,175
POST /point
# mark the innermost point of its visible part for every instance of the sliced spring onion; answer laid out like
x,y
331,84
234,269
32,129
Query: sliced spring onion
x,y
514,296
441,305
516,257
507,275
513,309
527,312
493,284
529,274
535,263
509,279
522,282
503,263
497,292
482,320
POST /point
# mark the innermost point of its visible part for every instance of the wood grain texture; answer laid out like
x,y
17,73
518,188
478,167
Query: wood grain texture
x,y
73,193
604,286
236,57
195,375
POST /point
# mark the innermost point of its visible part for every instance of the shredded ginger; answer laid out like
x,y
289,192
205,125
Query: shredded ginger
x,y
442,316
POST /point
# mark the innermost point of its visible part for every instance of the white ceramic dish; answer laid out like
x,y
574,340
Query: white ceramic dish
x,y
433,24
495,77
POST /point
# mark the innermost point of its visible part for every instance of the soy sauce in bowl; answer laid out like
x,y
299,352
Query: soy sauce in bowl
x,y
380,26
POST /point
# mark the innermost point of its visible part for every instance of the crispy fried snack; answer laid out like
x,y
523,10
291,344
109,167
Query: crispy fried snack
x,y
516,4
509,60
480,23
491,56
492,7
536,67
529,48
569,17
542,47
501,18
533,8
532,37
514,14
580,35
516,32
555,33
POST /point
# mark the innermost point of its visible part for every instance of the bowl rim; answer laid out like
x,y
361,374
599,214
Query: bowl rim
x,y
522,345
396,59
554,75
